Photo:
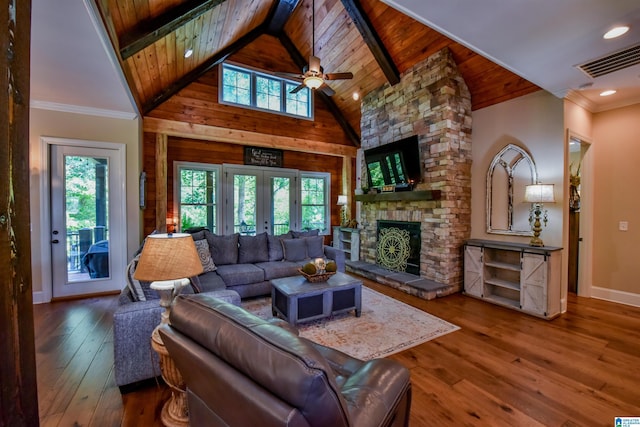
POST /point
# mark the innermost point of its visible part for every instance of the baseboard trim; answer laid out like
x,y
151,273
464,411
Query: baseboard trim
x,y
613,295
39,297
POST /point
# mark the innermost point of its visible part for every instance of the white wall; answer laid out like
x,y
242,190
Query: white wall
x,y
534,122
617,151
90,128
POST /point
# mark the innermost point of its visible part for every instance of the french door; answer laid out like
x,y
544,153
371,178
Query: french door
x,y
88,233
259,200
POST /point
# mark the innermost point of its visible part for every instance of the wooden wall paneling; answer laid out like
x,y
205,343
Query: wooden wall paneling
x,y
18,389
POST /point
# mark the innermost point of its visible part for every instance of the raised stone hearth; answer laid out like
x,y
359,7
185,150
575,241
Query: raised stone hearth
x,y
405,282
433,102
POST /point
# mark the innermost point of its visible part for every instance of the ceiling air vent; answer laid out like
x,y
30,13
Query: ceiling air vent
x,y
613,62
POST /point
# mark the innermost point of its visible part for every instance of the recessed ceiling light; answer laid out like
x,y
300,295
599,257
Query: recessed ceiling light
x,y
355,96
188,53
608,92
616,32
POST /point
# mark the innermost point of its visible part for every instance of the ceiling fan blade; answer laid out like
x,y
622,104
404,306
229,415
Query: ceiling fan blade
x,y
314,64
290,75
326,90
338,76
298,88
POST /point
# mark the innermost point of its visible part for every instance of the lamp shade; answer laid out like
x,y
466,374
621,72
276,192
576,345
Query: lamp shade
x,y
342,200
539,193
168,257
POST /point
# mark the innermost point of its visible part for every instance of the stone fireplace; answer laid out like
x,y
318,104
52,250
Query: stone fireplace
x,y
433,102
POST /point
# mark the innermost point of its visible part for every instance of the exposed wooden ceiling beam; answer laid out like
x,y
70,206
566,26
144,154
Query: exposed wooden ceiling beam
x,y
301,62
194,74
371,38
236,136
282,13
148,32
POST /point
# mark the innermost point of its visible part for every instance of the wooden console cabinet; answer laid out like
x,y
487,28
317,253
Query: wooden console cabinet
x,y
514,275
348,240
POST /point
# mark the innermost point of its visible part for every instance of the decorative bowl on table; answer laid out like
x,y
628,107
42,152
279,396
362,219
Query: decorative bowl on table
x,y
318,277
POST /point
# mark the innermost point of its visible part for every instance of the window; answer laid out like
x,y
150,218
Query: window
x,y
237,198
314,201
253,89
197,193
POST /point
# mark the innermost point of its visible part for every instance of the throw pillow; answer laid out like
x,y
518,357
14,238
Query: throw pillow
x,y
253,249
205,255
315,246
224,249
135,288
276,252
294,249
307,233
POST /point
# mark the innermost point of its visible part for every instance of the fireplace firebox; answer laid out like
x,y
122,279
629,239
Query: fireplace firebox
x,y
398,246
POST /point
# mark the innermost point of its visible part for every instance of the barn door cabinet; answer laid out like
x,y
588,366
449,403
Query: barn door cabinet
x,y
514,275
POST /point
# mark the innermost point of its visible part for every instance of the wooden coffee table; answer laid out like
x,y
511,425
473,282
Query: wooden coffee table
x,y
297,300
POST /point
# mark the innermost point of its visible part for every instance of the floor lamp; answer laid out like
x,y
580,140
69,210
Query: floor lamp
x,y
168,260
538,194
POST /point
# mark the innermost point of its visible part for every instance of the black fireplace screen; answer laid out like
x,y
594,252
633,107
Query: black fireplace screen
x,y
398,246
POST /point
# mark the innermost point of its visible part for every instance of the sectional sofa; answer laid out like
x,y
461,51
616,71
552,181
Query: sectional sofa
x,y
235,267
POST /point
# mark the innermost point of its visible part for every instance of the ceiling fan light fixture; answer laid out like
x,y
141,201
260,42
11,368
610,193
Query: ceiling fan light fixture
x,y
313,82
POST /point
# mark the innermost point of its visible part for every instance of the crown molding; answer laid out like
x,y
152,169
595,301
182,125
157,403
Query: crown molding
x,y
77,109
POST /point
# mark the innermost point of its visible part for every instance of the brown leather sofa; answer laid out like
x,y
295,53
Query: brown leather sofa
x,y
241,371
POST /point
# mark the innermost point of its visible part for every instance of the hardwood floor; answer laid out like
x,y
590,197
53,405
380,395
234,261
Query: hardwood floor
x,y
503,368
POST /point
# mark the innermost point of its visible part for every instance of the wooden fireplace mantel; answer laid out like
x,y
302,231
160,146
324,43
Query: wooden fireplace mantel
x,y
401,195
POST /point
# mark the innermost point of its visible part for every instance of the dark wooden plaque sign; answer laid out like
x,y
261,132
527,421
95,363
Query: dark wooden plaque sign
x,y
258,156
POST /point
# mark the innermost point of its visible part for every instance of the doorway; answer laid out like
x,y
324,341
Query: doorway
x,y
579,253
260,200
86,214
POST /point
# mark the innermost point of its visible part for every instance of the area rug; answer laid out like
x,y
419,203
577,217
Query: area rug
x,y
386,326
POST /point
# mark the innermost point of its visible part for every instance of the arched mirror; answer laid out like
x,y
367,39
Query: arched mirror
x,y
510,171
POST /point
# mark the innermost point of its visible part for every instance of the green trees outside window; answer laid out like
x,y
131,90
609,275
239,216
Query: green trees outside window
x,y
253,89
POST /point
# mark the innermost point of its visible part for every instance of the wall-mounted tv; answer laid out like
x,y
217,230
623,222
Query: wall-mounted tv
x,y
395,163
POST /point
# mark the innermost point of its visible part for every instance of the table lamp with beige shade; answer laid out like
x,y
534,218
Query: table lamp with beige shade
x,y
537,195
168,260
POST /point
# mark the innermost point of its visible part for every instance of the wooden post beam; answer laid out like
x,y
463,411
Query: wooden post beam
x,y
161,182
18,385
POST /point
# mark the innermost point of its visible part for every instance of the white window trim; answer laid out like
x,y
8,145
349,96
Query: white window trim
x,y
327,189
253,92
177,166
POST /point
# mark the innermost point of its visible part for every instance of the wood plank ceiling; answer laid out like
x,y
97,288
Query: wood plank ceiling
x,y
372,40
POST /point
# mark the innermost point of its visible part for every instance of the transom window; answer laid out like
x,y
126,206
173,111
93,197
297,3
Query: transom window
x,y
262,91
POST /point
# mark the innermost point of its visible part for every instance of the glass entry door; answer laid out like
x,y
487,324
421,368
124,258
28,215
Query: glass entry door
x,y
260,200
87,226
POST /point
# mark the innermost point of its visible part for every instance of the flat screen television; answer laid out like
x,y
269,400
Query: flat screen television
x,y
394,164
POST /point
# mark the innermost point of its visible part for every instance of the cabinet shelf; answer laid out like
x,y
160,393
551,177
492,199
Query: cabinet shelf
x,y
503,301
503,283
347,240
503,265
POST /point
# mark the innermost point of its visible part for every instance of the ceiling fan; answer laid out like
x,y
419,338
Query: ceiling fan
x,y
313,75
